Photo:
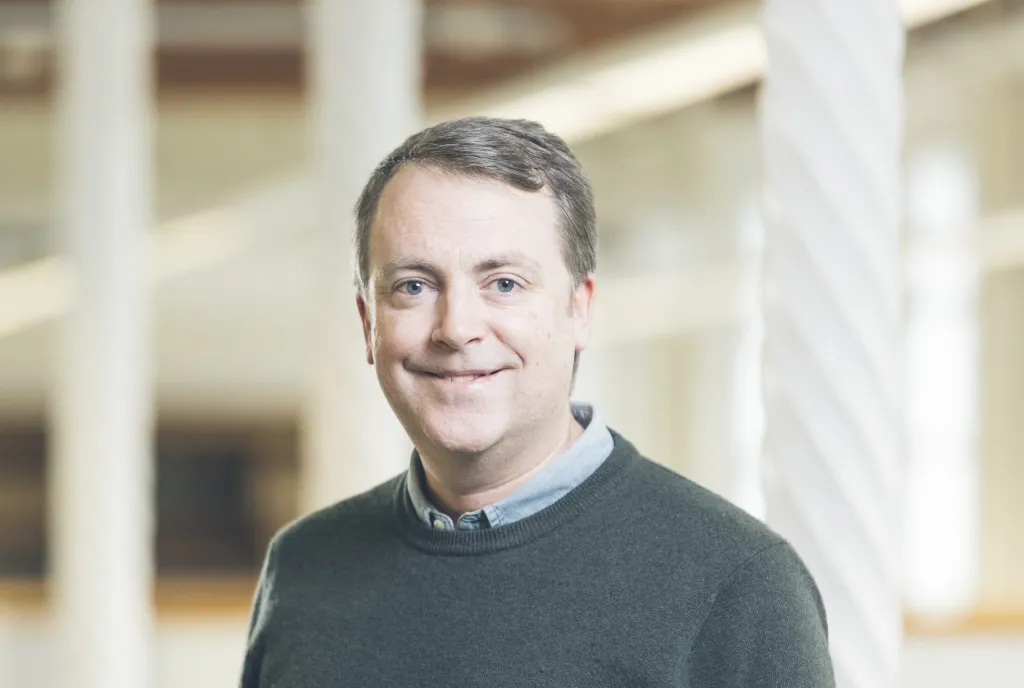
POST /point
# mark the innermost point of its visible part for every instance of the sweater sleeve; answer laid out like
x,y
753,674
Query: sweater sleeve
x,y
253,661
766,627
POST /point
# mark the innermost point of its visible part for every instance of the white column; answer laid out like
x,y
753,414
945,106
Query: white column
x,y
748,411
832,124
942,396
364,80
100,490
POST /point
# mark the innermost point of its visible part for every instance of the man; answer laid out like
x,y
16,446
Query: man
x,y
527,544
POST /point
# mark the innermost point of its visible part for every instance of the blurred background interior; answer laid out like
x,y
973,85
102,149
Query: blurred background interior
x,y
675,365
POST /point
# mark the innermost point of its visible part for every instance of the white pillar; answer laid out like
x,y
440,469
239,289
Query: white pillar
x,y
942,396
364,80
748,411
100,492
832,125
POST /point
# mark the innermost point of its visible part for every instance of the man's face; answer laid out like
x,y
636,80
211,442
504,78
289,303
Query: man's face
x,y
472,322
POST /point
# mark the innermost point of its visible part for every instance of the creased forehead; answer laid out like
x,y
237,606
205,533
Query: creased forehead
x,y
418,188
452,208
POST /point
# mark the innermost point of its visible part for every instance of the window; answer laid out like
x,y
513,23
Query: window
x,y
22,501
220,494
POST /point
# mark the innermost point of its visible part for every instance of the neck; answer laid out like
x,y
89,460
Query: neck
x,y
461,484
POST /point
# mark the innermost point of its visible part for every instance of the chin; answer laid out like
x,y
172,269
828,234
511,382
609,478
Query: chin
x,y
473,435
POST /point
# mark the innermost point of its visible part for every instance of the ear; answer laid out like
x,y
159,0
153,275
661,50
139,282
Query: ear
x,y
582,310
364,317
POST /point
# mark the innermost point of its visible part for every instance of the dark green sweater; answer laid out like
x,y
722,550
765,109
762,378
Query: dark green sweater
x,y
637,577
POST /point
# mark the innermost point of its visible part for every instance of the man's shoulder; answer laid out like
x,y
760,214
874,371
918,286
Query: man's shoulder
x,y
362,515
701,537
676,507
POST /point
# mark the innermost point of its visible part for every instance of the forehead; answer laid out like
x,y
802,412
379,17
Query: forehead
x,y
425,211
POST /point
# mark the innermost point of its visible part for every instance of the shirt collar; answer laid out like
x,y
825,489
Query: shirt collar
x,y
561,475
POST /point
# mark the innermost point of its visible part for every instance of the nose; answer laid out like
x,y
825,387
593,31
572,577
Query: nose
x,y
461,318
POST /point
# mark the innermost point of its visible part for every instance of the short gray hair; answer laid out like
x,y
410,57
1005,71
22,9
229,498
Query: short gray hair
x,y
519,153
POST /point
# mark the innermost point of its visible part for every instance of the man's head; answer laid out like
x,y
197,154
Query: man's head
x,y
475,253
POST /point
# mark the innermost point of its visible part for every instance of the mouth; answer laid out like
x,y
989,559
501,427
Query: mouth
x,y
463,377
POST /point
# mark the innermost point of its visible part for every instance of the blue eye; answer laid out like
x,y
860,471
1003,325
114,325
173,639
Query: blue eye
x,y
412,288
505,286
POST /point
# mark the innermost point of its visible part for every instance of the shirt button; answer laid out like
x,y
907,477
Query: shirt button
x,y
439,524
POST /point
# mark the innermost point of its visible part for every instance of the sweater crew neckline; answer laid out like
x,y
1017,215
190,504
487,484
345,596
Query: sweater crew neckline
x,y
474,542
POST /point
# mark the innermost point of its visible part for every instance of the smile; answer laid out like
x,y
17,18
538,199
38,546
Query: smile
x,y
464,378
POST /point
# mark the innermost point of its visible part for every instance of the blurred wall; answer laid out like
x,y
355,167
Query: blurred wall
x,y
675,195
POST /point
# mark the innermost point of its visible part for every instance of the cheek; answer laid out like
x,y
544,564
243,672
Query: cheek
x,y
537,336
396,333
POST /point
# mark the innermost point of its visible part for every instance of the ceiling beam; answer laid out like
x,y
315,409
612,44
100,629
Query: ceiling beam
x,y
659,71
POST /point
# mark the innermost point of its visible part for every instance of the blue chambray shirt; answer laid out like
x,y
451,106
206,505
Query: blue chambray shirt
x,y
554,481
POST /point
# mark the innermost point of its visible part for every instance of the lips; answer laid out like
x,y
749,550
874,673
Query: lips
x,y
462,376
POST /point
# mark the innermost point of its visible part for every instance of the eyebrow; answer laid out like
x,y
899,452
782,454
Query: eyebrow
x,y
395,265
512,259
